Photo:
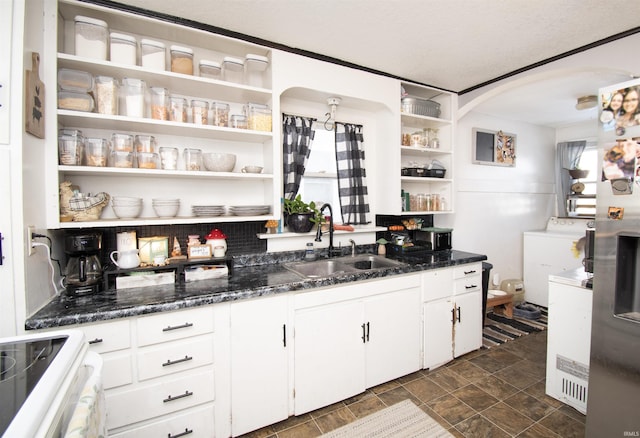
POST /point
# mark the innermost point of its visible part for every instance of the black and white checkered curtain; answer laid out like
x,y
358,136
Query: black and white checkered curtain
x,y
297,134
352,186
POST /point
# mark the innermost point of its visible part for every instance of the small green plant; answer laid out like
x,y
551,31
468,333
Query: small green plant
x,y
298,206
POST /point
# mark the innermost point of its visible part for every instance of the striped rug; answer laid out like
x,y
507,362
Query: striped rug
x,y
499,329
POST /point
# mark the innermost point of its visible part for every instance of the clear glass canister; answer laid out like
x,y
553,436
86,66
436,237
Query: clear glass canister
x,y
178,107
181,60
144,143
233,69
200,112
96,152
91,36
258,117
133,96
159,103
210,69
70,149
254,70
106,95
169,158
122,142
220,114
238,121
124,49
152,54
192,159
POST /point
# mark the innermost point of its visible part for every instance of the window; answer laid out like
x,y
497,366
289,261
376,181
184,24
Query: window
x,y
585,204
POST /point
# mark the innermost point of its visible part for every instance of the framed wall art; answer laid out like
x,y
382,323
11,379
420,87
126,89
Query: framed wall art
x,y
493,148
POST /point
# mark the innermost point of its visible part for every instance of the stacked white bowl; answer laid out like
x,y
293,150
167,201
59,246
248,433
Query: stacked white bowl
x,y
126,207
166,207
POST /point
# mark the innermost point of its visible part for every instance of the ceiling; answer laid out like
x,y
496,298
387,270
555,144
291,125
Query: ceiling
x,y
455,44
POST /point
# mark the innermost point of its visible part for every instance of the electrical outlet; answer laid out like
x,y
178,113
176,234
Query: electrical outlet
x,y
30,230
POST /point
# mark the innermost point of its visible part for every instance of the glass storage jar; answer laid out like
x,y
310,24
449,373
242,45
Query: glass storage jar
x,y
91,37
169,158
70,148
258,117
106,95
181,60
124,48
238,121
192,159
178,109
75,80
254,70
122,142
121,159
153,54
144,143
133,97
233,69
219,114
210,69
200,112
159,103
96,152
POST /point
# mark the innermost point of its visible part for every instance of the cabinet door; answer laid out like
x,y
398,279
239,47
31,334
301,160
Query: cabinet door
x,y
329,354
438,332
259,373
393,335
468,326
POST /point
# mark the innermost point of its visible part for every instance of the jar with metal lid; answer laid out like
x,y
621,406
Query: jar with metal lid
x,y
238,121
91,37
210,69
258,116
133,97
233,69
220,114
124,48
153,54
181,60
106,92
200,112
254,69
159,103
178,107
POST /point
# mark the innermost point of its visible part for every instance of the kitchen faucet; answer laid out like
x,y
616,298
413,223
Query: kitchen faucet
x,y
332,250
353,247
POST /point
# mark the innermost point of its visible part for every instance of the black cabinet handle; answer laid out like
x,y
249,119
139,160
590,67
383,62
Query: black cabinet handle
x,y
185,325
459,314
453,316
96,341
364,333
186,432
473,271
368,331
177,397
173,362
471,286
284,335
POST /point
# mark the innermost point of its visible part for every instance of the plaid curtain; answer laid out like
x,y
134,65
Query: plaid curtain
x,y
567,157
352,174
297,135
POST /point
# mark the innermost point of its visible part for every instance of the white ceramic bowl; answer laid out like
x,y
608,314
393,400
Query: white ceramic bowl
x,y
128,211
218,162
166,210
252,169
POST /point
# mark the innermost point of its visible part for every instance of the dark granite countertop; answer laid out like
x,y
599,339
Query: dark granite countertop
x,y
252,276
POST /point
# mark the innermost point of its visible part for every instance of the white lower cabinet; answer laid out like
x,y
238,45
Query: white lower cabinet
x,y
349,338
196,423
259,363
452,313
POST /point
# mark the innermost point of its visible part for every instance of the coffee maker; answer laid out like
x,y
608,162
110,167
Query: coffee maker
x,y
83,275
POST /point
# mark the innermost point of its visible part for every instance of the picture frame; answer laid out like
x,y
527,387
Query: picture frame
x,y
493,148
199,252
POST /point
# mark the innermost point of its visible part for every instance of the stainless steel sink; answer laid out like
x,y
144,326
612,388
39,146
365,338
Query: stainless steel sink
x,y
341,265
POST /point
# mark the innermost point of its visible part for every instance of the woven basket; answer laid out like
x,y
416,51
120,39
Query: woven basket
x,y
92,213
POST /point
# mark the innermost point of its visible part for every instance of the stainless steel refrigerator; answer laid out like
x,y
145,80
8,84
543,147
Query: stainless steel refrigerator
x,y
613,405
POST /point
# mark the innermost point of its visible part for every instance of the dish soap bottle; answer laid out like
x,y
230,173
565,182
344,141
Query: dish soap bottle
x,y
309,253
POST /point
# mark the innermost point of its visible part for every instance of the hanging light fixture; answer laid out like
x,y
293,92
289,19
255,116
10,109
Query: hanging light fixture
x,y
587,102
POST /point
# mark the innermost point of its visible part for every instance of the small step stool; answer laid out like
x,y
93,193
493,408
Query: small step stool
x,y
502,305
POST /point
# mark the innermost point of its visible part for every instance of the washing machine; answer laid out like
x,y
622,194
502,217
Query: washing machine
x,y
551,251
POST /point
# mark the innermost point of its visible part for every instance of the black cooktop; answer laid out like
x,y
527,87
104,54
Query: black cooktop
x,y
22,364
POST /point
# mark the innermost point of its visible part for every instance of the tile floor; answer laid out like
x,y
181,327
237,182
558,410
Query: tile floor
x,y
497,392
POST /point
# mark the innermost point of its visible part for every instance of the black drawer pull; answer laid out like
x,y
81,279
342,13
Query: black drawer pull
x,y
473,271
173,362
96,341
177,397
186,432
472,286
185,325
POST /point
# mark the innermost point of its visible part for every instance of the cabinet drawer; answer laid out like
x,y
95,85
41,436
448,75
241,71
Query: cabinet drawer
x,y
469,284
437,284
117,369
158,399
174,325
175,356
108,336
467,270
198,423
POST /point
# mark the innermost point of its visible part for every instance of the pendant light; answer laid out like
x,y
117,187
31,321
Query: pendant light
x,y
586,102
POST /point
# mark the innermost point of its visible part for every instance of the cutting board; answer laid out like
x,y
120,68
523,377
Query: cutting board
x,y
34,98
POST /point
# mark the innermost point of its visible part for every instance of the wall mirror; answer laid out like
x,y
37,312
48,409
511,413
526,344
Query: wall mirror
x,y
494,148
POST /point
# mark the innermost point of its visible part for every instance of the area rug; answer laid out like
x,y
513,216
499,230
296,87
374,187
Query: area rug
x,y
402,420
499,329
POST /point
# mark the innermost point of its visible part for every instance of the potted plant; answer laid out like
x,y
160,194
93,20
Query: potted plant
x,y
578,173
300,217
